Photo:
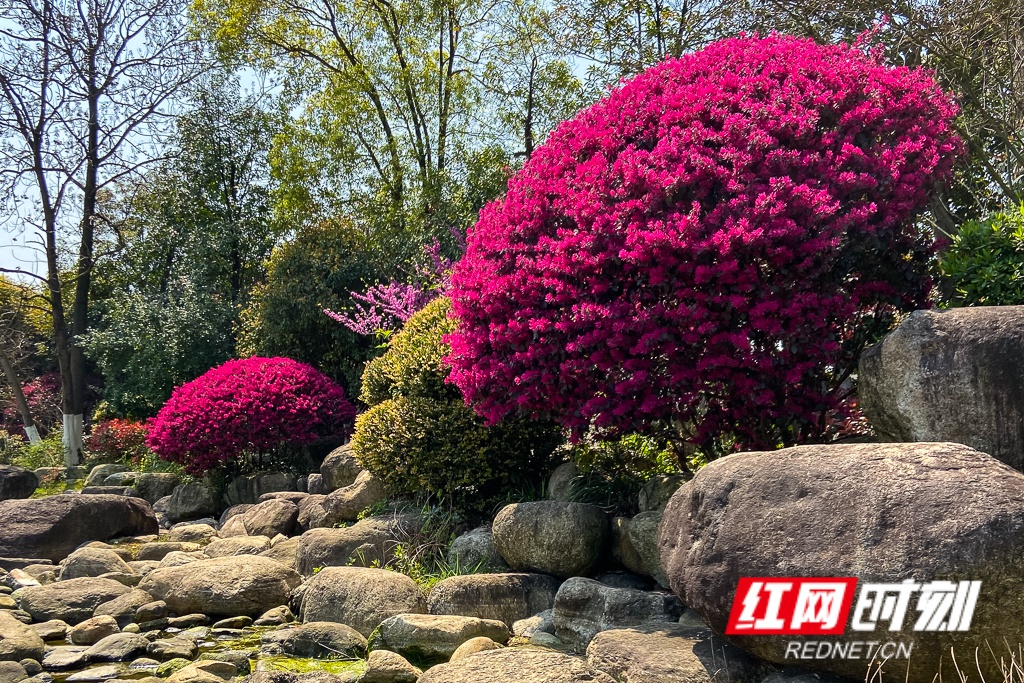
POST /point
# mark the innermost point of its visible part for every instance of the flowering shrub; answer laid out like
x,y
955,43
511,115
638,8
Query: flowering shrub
x,y
118,440
249,406
709,247
43,397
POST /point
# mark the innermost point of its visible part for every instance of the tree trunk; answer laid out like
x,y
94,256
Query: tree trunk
x,y
19,397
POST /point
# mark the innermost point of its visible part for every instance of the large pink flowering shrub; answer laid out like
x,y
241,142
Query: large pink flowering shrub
x,y
709,247
251,406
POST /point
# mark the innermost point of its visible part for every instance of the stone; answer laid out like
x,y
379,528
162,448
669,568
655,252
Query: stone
x,y
169,668
360,597
172,648
124,608
505,597
13,672
151,611
542,639
561,480
311,513
240,659
153,486
92,631
315,485
190,621
433,637
17,482
584,607
555,537
291,496
119,647
383,666
881,513
96,673
11,563
120,479
516,665
209,671
474,552
950,375
144,663
192,501
159,550
92,562
271,517
225,586
285,552
643,535
233,511
623,551
31,666
345,504
234,622
320,640
657,491
473,646
237,545
275,617
249,488
666,653
53,526
110,491
72,601
626,580
233,527
18,641
192,533
63,657
538,623
368,541
54,629
99,473
339,469
176,558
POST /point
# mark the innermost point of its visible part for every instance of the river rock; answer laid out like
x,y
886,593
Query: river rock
x,y
249,488
192,501
339,469
18,641
53,526
561,481
153,486
555,537
17,482
345,504
320,640
12,672
360,597
225,586
237,545
92,631
368,541
124,608
284,552
657,491
98,474
584,607
166,649
516,665
950,375
473,646
192,533
92,562
72,601
160,549
504,597
118,647
643,536
54,629
315,485
434,638
474,551
383,666
270,518
882,513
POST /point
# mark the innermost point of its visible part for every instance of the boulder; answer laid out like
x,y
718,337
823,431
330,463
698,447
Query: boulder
x,y
643,536
233,511
237,545
433,637
98,474
225,586
177,558
555,537
92,562
473,646
368,541
12,672
882,513
667,653
320,640
315,485
311,513
166,649
17,482
120,479
561,480
124,608
118,647
151,611
516,665
72,601
626,580
360,597
192,501
383,666
538,623
63,657
249,488
504,597
270,518
53,526
277,616
233,527
18,641
92,631
950,375
584,607
657,491
474,551
160,549
153,486
192,533
110,491
340,468
204,672
284,552
54,629
345,504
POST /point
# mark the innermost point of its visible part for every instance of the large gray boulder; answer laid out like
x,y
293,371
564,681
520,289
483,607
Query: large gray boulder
x,y
18,641
92,562
504,597
516,665
954,375
434,638
51,527
555,537
345,504
360,597
194,500
367,542
339,469
882,513
249,488
70,601
225,586
270,518
17,482
584,607
155,485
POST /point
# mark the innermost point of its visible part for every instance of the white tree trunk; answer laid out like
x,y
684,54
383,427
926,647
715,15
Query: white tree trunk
x,y
33,434
73,439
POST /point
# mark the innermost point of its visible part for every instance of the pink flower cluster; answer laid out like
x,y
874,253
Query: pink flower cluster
x,y
713,243
253,405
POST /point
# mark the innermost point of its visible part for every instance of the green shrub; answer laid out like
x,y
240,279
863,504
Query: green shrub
x,y
984,266
419,436
47,453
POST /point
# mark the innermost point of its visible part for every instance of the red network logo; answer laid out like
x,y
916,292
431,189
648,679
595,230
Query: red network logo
x,y
791,606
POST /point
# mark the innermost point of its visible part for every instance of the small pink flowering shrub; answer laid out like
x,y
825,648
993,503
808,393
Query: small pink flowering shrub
x,y
250,406
708,248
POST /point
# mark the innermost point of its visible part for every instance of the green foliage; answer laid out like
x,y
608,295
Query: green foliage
x,y
419,436
319,268
984,266
47,453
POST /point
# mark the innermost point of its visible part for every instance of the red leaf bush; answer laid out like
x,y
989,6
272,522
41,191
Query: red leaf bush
x,y
118,440
710,246
249,406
